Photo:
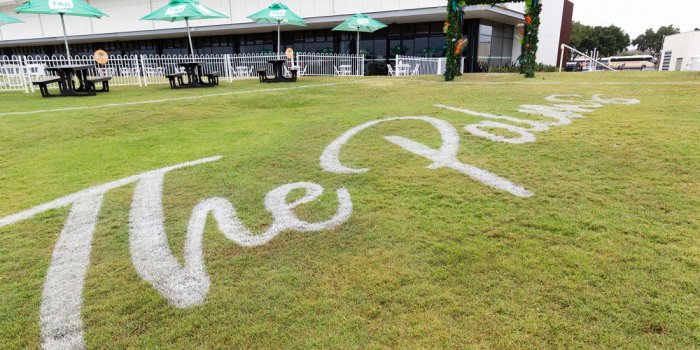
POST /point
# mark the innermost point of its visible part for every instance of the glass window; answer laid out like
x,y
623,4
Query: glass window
x,y
408,30
439,44
408,45
485,30
436,28
379,48
497,30
497,47
508,32
422,47
422,29
394,30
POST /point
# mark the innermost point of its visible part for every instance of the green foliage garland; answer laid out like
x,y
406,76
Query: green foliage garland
x,y
453,31
531,38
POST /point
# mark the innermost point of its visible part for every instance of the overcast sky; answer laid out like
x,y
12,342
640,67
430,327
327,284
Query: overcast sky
x,y
635,16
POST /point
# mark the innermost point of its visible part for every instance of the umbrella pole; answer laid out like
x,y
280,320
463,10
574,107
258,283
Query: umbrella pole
x,y
278,40
358,41
65,39
189,36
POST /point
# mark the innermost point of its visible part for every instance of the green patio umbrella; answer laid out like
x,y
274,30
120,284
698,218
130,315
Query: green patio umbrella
x,y
183,10
62,8
361,24
280,14
5,19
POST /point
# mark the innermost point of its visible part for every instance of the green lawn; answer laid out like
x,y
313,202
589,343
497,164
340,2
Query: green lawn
x,y
606,254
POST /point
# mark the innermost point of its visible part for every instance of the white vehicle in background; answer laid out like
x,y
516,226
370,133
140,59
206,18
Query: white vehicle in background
x,y
639,62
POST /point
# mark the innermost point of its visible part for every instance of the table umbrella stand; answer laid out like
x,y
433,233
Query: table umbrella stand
x,y
189,36
65,40
279,41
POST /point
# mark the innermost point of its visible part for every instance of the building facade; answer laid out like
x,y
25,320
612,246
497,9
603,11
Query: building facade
x,y
415,28
681,52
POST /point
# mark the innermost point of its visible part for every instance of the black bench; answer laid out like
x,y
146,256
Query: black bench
x,y
212,78
42,83
90,83
262,74
172,77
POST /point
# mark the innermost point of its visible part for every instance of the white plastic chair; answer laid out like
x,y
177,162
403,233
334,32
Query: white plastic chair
x,y
106,72
35,71
416,69
337,72
391,70
128,71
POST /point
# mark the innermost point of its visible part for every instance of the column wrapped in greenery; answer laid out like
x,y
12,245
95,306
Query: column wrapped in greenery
x,y
453,33
533,9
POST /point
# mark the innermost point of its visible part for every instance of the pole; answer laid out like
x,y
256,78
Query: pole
x,y
189,36
561,60
279,46
358,41
65,39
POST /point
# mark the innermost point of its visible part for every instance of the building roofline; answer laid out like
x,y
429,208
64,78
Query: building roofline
x,y
400,16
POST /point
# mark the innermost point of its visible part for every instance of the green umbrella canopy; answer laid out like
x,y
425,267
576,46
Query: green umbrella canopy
x,y
5,19
278,13
181,10
60,7
360,23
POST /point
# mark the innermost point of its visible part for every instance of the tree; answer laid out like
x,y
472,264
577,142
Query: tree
x,y
652,41
608,40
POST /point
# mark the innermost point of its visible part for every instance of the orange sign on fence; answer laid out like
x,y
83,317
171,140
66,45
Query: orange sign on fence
x,y
101,56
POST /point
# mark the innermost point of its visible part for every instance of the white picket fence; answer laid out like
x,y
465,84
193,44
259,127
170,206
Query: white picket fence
x,y
13,76
123,70
331,64
18,72
423,65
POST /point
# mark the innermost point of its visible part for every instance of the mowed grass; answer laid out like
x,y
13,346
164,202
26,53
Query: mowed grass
x,y
606,254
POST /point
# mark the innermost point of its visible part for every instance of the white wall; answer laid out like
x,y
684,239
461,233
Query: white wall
x,y
125,14
685,46
550,31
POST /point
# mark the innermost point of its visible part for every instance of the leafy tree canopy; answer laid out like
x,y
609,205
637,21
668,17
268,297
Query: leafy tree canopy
x,y
608,40
652,41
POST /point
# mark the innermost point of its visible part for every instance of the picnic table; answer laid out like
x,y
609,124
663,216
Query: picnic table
x,y
66,84
195,75
278,70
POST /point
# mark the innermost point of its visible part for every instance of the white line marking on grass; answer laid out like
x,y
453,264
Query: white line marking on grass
x,y
62,299
183,286
100,189
540,82
445,156
187,285
561,113
183,98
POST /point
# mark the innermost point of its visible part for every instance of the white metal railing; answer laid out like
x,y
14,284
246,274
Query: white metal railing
x,y
124,70
13,75
246,65
412,65
18,72
154,67
320,64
